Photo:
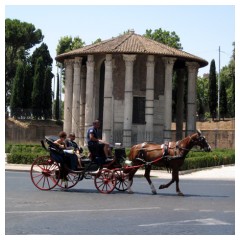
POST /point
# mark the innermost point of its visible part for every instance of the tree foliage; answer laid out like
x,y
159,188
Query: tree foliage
x,y
17,97
223,100
212,90
57,103
19,38
66,44
37,93
169,38
227,77
31,90
202,97
47,90
43,52
97,41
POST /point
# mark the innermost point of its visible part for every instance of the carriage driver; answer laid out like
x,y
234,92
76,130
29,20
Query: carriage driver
x,y
93,138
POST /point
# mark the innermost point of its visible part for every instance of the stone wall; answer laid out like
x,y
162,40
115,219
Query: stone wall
x,y
29,132
35,131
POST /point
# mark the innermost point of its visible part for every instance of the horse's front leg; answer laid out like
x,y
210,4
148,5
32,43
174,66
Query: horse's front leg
x,y
147,176
175,175
166,185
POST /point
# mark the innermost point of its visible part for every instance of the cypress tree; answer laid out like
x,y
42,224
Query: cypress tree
x,y
223,100
212,91
37,93
57,112
28,85
17,96
47,94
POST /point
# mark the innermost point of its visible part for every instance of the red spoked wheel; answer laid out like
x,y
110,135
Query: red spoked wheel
x,y
121,180
105,181
45,173
68,179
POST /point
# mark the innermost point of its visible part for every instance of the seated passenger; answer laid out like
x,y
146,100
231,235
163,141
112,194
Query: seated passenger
x,y
94,140
71,143
61,144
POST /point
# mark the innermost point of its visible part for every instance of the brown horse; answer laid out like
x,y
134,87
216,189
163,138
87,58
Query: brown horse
x,y
169,155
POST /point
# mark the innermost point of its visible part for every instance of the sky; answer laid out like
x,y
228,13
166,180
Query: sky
x,y
202,28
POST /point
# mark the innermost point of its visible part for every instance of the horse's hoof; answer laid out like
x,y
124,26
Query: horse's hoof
x,y
161,187
180,194
154,192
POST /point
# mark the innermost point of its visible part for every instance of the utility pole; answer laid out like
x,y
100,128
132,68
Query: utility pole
x,y
219,87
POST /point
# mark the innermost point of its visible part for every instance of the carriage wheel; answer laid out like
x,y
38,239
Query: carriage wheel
x,y
45,173
68,179
121,180
105,181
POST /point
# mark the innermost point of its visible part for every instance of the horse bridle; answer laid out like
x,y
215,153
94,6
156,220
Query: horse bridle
x,y
191,140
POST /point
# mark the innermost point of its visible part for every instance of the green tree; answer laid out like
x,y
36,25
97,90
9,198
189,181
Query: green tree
x,y
43,75
227,76
169,38
212,90
17,96
19,38
57,110
66,44
47,94
223,100
37,93
43,52
202,97
97,41
27,91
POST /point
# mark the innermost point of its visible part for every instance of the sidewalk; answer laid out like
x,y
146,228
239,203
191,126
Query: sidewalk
x,y
226,172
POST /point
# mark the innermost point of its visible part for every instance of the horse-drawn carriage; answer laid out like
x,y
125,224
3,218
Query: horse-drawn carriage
x,y
47,173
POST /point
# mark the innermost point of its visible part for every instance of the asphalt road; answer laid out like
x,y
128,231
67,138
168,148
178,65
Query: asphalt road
x,y
208,208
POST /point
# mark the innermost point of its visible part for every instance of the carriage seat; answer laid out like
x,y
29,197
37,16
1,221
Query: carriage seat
x,y
51,146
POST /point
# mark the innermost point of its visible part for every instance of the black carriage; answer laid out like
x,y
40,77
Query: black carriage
x,y
48,172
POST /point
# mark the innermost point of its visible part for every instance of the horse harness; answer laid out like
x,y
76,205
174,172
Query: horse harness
x,y
165,148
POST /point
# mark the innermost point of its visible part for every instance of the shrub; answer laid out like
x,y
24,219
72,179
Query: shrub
x,y
26,153
23,158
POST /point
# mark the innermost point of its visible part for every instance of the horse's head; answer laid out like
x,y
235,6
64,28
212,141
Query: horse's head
x,y
199,140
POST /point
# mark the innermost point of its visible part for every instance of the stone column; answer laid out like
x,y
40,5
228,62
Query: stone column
x,y
168,62
149,99
76,97
180,103
107,106
82,105
192,68
67,127
128,100
89,92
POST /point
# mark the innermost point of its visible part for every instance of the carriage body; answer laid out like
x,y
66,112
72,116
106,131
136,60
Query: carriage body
x,y
48,172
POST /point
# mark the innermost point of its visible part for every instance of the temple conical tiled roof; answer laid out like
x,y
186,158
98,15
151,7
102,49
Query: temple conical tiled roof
x,y
132,43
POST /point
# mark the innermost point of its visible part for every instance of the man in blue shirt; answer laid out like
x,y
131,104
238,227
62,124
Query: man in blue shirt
x,y
94,140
